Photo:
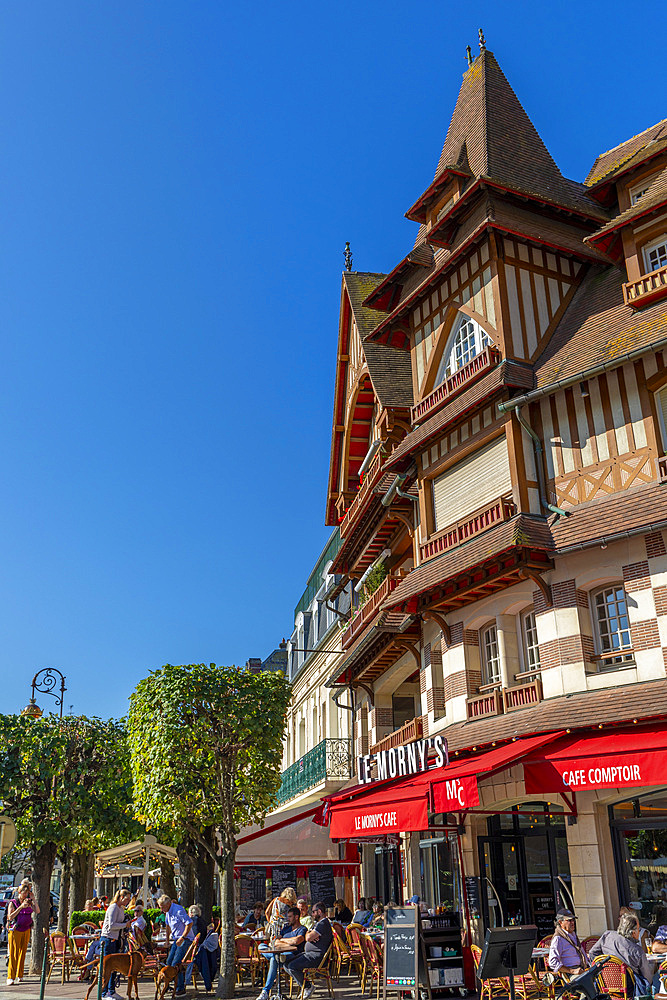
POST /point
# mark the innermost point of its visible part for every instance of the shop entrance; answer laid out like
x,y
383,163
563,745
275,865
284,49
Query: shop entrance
x,y
639,833
524,867
388,874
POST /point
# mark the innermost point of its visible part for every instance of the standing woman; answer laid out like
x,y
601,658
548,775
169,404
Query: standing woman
x,y
19,922
114,922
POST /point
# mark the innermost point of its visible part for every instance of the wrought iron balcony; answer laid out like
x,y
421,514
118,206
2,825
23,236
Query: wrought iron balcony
x,y
329,760
456,382
647,289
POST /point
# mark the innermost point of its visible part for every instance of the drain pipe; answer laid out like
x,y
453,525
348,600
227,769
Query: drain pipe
x,y
537,444
395,490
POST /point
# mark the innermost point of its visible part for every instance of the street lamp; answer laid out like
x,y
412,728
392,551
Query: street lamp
x,y
45,682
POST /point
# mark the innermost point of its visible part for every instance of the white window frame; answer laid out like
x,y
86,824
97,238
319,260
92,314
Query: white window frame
x,y
659,244
490,655
611,654
456,355
530,654
639,190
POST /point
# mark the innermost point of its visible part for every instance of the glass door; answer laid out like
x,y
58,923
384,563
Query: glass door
x,y
503,889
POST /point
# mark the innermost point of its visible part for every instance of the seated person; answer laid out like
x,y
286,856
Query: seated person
x,y
318,942
92,954
342,912
362,914
306,919
566,956
378,916
624,945
138,920
291,941
254,918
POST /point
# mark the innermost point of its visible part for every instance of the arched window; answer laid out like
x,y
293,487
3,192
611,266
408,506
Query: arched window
x,y
467,340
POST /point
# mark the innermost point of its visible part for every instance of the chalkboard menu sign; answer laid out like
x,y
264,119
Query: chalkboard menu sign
x,y
472,894
253,887
401,948
322,888
283,877
544,912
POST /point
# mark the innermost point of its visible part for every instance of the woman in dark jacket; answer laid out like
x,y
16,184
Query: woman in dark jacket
x,y
342,912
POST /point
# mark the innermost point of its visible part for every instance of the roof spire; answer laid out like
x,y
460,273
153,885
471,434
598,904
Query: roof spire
x,y
482,41
469,56
347,254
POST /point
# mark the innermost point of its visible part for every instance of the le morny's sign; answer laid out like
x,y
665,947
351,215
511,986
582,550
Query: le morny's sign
x,y
399,762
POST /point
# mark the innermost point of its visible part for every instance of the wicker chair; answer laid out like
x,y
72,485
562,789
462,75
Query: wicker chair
x,y
310,976
373,970
616,979
61,952
247,958
588,943
344,959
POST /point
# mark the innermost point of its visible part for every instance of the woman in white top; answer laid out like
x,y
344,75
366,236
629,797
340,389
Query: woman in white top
x,y
114,922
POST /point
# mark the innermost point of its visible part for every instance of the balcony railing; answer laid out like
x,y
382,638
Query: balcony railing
x,y
411,731
330,759
456,382
355,508
646,289
523,696
368,610
479,521
485,705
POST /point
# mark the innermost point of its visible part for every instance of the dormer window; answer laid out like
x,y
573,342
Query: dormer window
x,y
655,254
468,339
639,190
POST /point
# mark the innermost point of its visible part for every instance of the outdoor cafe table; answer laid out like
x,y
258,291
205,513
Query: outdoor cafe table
x,y
278,951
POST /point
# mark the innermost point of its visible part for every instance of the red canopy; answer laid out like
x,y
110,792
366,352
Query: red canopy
x,y
403,806
619,758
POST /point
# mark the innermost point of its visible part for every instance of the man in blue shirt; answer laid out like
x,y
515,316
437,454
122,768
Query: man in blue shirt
x,y
179,933
254,917
291,941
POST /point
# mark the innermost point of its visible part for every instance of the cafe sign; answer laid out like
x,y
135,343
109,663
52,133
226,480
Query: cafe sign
x,y
400,762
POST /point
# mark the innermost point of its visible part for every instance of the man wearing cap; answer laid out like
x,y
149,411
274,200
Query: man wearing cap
x,y
566,956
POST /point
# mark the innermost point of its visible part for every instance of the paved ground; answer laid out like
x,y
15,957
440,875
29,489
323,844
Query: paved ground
x,y
346,989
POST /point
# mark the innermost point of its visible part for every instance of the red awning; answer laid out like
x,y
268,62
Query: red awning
x,y
403,806
619,758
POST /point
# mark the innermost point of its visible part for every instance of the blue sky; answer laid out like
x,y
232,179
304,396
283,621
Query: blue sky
x,y
177,182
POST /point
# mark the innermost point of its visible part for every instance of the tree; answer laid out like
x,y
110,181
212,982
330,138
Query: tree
x,y
206,748
63,782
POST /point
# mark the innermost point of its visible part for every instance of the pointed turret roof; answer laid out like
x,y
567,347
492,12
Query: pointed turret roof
x,y
491,137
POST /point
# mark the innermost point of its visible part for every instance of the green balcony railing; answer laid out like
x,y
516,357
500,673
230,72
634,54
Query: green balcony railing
x,y
331,758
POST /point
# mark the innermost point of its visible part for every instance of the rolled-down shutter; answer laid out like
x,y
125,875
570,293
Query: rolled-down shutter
x,y
661,400
472,483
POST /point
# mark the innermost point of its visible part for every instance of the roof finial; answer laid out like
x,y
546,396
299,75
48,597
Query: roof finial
x,y
347,254
482,41
469,55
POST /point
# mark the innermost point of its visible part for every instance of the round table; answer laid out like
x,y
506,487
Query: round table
x,y
278,951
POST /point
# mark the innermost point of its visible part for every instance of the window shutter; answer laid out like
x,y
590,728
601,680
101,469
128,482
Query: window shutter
x,y
661,406
472,483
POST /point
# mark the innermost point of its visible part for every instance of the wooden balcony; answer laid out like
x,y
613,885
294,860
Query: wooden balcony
x,y
485,705
647,289
411,731
523,696
456,383
461,531
368,610
370,480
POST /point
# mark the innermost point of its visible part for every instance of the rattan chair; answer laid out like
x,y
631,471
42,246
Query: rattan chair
x,y
322,971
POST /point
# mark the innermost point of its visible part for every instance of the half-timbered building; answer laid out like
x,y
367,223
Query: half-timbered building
x,y
498,479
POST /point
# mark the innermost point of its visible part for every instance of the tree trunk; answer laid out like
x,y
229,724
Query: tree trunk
x,y
79,879
227,950
43,859
204,874
167,883
186,862
90,877
63,905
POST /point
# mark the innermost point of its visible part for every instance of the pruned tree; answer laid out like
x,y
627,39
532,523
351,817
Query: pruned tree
x,y
206,749
63,782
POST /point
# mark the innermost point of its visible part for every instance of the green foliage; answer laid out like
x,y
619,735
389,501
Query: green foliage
x,y
375,578
66,781
206,747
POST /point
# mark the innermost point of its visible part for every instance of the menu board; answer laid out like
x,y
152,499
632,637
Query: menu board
x,y
283,877
322,888
472,895
401,941
544,912
253,887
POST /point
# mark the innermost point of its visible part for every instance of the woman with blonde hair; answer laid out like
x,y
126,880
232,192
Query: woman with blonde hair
x,y
19,924
276,912
114,922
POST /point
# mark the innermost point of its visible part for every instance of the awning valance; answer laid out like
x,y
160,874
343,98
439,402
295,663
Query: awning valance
x,y
619,758
403,806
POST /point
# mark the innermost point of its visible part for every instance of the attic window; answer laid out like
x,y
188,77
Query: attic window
x,y
468,339
639,190
655,254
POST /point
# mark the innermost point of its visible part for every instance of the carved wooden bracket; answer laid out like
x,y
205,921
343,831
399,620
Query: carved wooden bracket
x,y
404,518
441,622
369,692
410,646
532,574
